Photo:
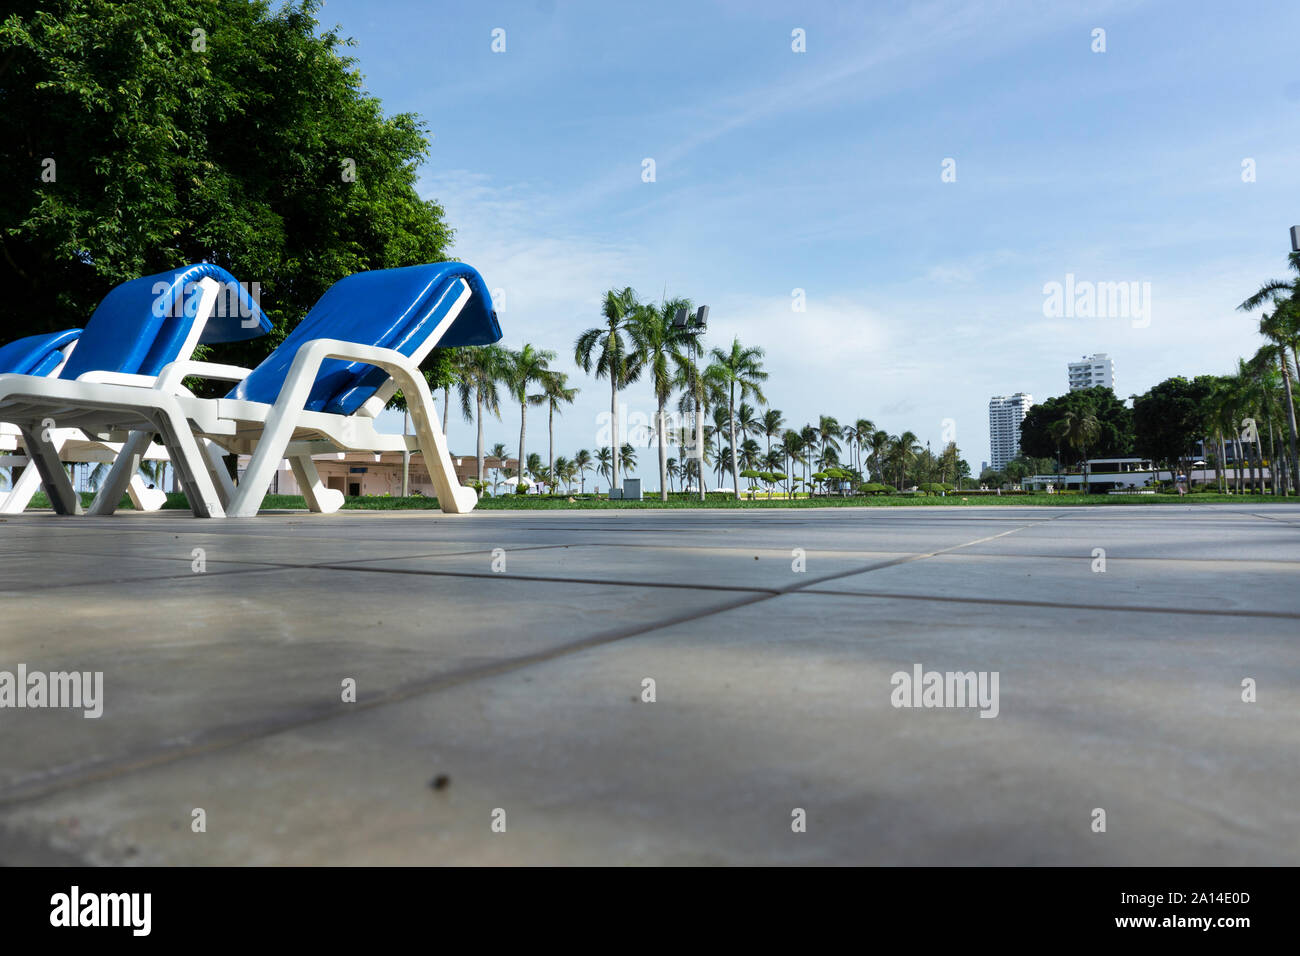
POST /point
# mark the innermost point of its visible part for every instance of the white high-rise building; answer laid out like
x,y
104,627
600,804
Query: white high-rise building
x,y
1092,370
1006,412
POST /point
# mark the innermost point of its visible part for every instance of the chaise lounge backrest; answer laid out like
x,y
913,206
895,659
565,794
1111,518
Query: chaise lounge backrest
x,y
143,324
389,308
37,354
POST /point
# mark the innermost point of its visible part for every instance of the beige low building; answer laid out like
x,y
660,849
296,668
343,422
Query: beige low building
x,y
367,473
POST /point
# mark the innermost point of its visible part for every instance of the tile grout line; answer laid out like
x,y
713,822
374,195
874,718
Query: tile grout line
x,y
406,692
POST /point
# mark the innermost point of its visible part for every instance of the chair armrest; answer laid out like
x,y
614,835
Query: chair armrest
x,y
117,378
172,375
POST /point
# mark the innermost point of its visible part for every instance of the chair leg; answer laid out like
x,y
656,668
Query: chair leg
x,y
319,498
20,495
266,456
215,458
120,475
453,497
45,456
191,465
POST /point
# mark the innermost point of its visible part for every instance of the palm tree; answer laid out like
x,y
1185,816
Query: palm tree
x,y
863,429
1219,409
153,471
657,343
747,421
560,469
528,366
773,423
688,469
457,355
1269,387
808,436
583,463
534,463
604,462
878,442
792,445
672,470
1243,398
499,453
627,455
828,431
1078,431
481,370
555,392
737,368
902,452
606,347
724,453
1282,329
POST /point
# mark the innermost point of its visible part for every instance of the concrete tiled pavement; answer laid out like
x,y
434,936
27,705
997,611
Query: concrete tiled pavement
x,y
1119,690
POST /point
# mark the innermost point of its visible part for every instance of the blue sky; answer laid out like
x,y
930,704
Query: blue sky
x,y
821,171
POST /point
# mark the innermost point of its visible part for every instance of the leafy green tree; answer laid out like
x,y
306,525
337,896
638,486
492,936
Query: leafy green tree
x,y
1114,422
1076,430
134,144
1170,418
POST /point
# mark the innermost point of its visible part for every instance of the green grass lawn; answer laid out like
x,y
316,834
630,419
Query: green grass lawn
x,y
589,502
955,500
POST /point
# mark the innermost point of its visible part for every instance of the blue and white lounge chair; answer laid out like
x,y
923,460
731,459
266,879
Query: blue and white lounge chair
x,y
142,326
319,391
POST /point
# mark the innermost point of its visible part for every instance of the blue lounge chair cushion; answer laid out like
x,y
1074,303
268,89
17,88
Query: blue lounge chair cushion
x,y
389,308
143,323
36,354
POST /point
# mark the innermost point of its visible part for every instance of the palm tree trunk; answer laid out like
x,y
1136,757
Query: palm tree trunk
x,y
663,455
1236,456
731,424
699,440
613,424
1272,457
446,406
550,451
1290,418
479,399
523,423
1218,462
